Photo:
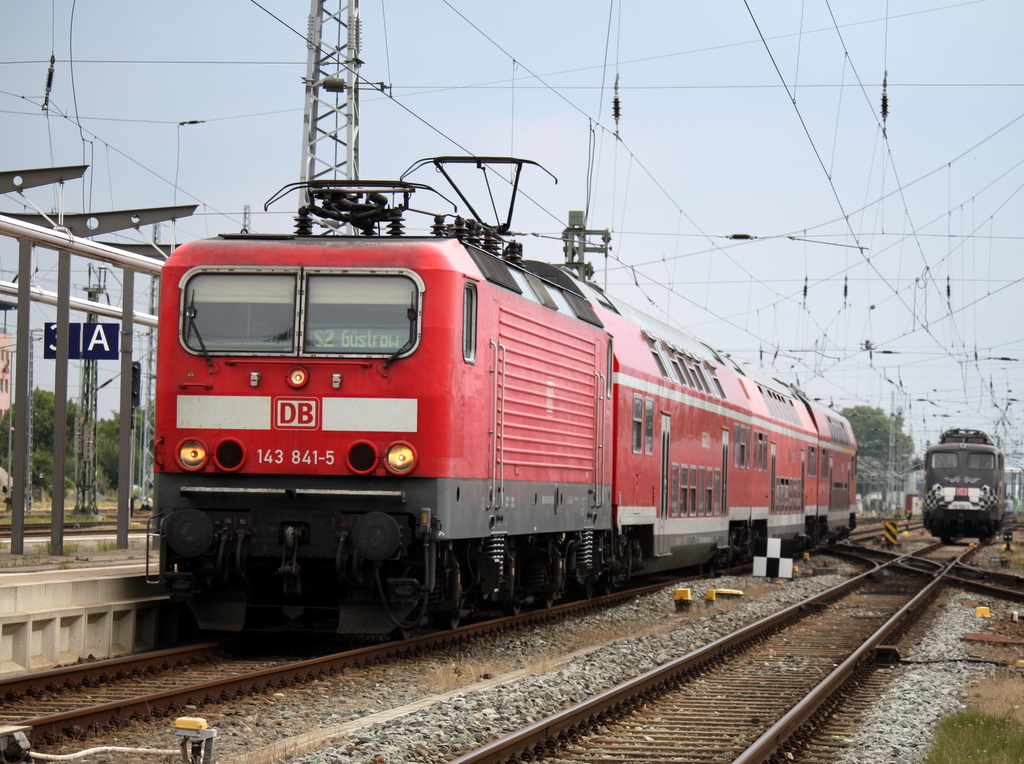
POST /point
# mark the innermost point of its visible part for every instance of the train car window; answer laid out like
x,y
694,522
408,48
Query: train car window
x,y
812,461
945,460
702,384
981,461
638,424
469,323
652,344
493,269
714,379
679,371
674,510
693,491
684,487
701,506
702,373
239,312
358,314
649,427
718,492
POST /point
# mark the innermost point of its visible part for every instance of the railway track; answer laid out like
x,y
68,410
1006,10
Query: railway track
x,y
757,693
79,701
67,702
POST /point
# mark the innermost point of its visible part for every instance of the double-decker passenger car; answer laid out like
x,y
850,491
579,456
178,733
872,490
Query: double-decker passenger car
x,y
962,494
364,433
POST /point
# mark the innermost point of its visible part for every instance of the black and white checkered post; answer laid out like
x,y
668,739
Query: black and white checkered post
x,y
773,558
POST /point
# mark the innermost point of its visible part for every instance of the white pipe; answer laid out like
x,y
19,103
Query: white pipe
x,y
86,306
48,237
103,749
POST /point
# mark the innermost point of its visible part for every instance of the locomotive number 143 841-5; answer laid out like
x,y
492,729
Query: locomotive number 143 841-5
x,y
297,456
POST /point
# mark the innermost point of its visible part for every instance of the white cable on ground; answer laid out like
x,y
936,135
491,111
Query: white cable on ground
x,y
103,749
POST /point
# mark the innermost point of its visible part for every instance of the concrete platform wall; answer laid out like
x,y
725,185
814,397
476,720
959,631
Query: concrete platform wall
x,y
57,622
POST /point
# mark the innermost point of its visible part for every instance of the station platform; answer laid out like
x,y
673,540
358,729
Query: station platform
x,y
92,602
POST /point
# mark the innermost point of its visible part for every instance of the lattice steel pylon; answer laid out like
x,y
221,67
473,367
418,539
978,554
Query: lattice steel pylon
x,y
330,120
85,418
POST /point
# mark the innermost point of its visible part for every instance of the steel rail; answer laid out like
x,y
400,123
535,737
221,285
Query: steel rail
x,y
101,672
596,709
780,733
534,739
49,729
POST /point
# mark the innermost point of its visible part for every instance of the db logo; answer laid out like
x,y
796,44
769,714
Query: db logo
x,y
296,413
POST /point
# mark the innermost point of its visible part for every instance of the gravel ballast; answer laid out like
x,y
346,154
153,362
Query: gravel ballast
x,y
447,729
638,635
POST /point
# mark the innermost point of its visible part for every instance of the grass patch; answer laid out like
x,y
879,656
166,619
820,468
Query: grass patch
x,y
976,738
68,548
106,545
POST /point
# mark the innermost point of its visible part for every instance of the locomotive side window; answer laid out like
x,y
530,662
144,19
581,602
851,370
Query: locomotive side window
x,y
469,323
240,312
981,461
944,461
360,314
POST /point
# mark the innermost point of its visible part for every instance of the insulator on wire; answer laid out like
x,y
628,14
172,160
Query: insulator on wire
x,y
885,100
846,287
805,289
49,83
949,289
616,105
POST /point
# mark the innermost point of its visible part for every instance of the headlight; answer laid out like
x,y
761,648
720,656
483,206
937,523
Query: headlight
x,y
400,458
298,377
192,454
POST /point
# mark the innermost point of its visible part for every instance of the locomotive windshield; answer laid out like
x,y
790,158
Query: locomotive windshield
x,y
360,314
950,460
981,461
246,312
343,313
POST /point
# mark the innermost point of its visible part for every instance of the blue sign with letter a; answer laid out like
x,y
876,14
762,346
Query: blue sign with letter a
x,y
90,341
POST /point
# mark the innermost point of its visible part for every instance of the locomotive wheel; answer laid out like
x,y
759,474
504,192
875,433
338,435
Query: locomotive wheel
x,y
511,607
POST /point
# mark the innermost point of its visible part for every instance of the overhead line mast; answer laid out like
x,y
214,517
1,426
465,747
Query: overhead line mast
x,y
331,124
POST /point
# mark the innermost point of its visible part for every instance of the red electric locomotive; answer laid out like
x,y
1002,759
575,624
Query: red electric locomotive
x,y
364,433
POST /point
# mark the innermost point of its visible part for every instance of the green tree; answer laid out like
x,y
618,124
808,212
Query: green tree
x,y
42,439
108,450
871,427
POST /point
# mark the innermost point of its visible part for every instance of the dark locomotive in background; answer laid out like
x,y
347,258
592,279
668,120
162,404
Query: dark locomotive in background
x,y
364,433
962,494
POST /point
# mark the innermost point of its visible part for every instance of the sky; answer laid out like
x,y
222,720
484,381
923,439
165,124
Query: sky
x,y
880,259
